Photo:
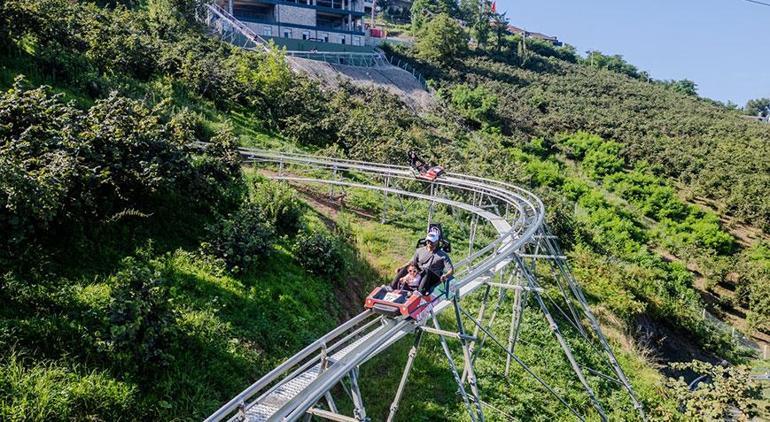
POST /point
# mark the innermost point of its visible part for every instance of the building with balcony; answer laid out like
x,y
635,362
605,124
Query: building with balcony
x,y
331,21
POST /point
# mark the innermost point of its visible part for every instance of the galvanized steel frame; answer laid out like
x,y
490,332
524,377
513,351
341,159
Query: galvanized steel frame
x,y
520,229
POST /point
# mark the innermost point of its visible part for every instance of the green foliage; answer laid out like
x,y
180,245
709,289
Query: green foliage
x,y
579,143
280,206
242,239
442,39
373,125
699,230
684,86
139,326
65,169
39,390
758,107
603,160
544,48
476,104
546,173
650,193
693,141
615,63
423,11
754,285
726,393
320,254
715,268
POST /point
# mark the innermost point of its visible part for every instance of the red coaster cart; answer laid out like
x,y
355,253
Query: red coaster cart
x,y
408,303
393,303
422,169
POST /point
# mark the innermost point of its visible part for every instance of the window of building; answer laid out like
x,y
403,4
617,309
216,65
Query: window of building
x,y
325,37
357,41
287,33
267,31
305,35
342,40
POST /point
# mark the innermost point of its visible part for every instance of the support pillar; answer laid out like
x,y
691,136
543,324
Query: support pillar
x,y
405,375
384,216
518,309
432,204
480,318
562,342
453,369
358,402
468,361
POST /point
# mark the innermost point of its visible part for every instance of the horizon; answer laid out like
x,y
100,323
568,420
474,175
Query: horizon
x,y
678,44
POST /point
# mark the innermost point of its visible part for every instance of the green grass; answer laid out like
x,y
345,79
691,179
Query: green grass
x,y
40,390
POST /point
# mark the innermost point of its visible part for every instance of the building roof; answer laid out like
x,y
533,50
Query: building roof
x,y
516,30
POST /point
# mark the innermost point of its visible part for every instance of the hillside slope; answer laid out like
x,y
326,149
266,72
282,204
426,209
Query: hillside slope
x,y
145,279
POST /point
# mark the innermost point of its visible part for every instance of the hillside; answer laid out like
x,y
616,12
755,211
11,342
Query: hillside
x,y
144,278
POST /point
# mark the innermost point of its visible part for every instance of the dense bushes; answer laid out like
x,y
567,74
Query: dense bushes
x,y
66,172
242,239
753,288
139,325
280,206
701,144
320,254
727,392
475,104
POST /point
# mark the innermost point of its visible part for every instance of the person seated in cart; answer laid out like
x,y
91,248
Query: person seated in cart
x,y
409,294
411,281
423,169
433,263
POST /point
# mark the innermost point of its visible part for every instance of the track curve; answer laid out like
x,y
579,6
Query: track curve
x,y
516,215
525,218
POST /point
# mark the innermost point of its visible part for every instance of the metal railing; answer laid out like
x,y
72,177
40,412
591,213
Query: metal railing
x,y
343,58
230,28
334,355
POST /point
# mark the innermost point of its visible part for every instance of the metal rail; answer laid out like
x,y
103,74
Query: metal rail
x,y
294,389
234,31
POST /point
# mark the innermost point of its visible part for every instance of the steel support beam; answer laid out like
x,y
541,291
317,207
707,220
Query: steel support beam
x,y
405,375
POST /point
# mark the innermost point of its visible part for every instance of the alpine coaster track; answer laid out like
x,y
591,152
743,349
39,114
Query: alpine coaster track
x,y
513,218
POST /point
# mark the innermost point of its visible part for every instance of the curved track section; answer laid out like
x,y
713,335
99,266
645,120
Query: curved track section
x,y
510,219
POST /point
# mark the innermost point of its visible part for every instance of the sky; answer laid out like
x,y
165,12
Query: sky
x,y
721,45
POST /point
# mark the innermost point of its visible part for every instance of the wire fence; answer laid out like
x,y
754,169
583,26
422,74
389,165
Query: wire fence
x,y
411,69
739,338
343,58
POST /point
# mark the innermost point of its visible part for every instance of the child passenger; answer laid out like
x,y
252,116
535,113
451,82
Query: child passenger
x,y
411,281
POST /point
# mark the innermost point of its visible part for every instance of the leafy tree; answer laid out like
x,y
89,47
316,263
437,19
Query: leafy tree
x,y
615,63
684,86
758,107
500,29
482,23
424,11
442,39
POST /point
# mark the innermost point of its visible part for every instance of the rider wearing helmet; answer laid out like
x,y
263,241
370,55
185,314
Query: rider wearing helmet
x,y
434,264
